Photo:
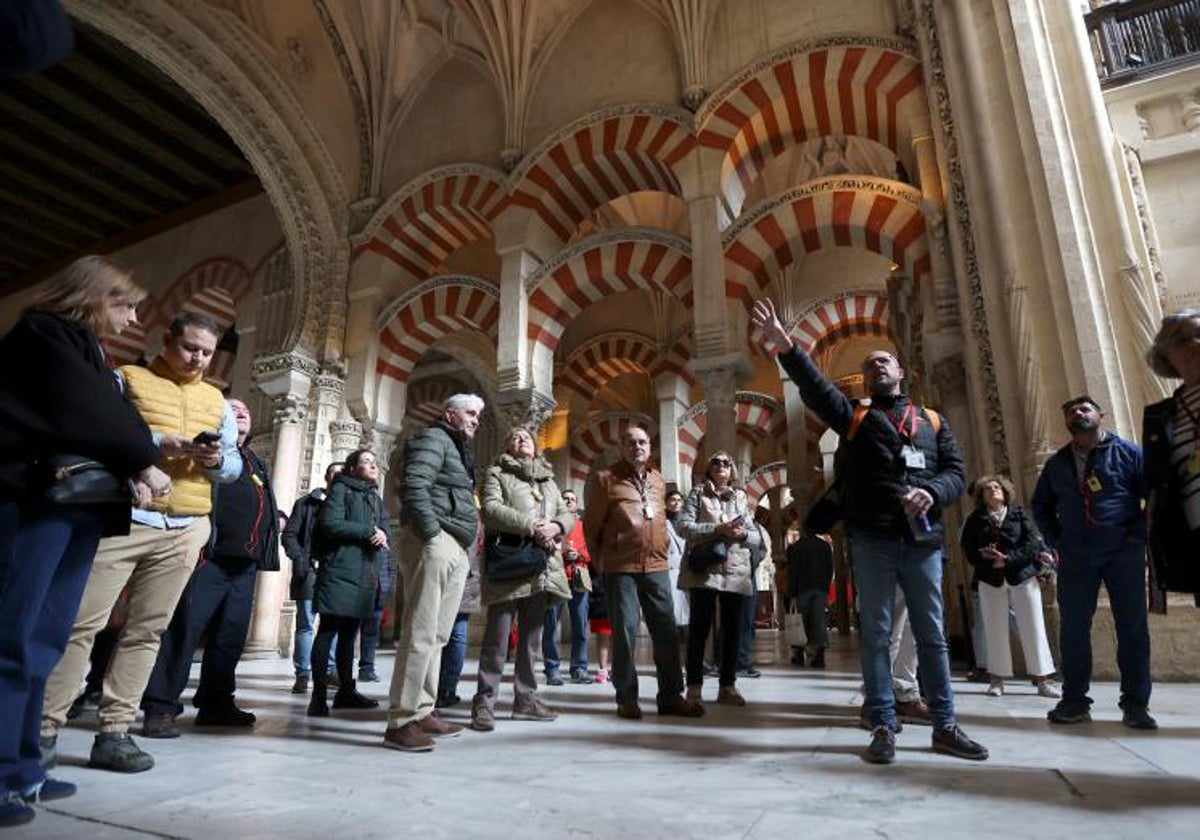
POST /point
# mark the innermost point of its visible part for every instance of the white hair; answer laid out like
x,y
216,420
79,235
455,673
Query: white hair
x,y
462,402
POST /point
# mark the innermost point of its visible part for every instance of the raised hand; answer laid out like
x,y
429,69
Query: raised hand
x,y
772,333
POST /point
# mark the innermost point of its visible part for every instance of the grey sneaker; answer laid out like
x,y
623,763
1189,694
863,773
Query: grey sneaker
x,y
483,719
532,709
49,744
117,751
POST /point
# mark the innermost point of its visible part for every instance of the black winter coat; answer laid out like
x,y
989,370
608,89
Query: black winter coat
x,y
1017,537
57,396
871,469
1174,549
348,576
298,538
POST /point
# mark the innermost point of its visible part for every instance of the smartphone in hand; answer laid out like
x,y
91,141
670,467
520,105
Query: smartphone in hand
x,y
207,438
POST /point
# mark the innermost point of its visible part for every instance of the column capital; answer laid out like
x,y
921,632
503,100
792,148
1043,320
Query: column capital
x,y
285,374
722,375
528,407
289,409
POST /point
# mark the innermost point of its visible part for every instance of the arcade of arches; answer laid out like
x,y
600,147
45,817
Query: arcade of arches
x,y
567,206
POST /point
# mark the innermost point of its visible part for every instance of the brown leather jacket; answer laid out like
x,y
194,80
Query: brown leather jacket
x,y
619,537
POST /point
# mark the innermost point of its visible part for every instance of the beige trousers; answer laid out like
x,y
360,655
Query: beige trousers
x,y
1026,601
155,564
433,586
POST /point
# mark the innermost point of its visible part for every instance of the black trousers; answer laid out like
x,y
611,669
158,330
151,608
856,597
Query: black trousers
x,y
217,601
700,621
346,629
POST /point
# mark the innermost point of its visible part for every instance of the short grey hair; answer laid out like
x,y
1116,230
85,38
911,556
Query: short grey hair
x,y
1172,324
462,402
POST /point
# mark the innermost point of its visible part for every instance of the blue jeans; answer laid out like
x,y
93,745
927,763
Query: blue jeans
x,y
453,655
578,607
369,635
1123,572
46,552
880,565
306,621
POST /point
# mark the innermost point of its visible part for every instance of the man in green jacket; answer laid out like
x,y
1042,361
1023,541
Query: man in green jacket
x,y
441,513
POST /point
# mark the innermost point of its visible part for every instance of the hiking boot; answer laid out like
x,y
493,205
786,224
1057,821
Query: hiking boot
x,y
86,707
951,740
552,678
300,686
433,725
367,675
227,714
347,697
49,744
48,790
531,708
483,719
728,695
679,706
914,712
408,738
160,726
580,676
14,810
1136,716
630,710
1070,711
117,751
882,749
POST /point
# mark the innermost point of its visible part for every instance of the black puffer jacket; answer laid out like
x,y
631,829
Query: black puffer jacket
x,y
1017,538
871,469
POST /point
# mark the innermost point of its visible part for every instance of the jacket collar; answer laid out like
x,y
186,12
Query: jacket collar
x,y
160,368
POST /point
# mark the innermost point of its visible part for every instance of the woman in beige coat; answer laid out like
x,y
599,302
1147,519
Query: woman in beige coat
x,y
520,499
717,511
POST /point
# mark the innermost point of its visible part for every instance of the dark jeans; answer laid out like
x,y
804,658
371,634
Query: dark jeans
x,y
623,594
453,655
371,632
702,613
1123,572
345,628
216,603
46,552
811,605
578,607
102,652
744,618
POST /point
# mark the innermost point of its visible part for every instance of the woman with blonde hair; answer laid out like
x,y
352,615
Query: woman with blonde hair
x,y
1003,544
719,528
62,419
524,519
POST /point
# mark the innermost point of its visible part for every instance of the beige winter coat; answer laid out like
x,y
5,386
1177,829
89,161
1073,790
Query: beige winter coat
x,y
515,494
702,512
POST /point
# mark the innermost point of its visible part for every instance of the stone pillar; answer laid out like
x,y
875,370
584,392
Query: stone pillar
x,y
287,380
720,377
329,388
344,436
528,407
672,393
800,471
709,312
381,440
512,351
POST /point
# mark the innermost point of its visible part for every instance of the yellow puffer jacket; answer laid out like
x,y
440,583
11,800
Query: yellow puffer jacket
x,y
183,408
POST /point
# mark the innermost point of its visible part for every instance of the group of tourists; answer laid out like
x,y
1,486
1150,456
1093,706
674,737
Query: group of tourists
x,y
136,489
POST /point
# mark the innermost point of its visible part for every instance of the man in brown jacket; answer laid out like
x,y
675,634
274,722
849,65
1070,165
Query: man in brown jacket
x,y
626,530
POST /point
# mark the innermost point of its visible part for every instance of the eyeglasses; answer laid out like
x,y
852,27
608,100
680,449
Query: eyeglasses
x,y
721,462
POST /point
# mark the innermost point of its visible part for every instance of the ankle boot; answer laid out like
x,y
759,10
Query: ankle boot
x,y
347,697
317,706
818,660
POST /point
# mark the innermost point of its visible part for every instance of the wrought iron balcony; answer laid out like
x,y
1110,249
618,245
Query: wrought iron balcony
x,y
1133,38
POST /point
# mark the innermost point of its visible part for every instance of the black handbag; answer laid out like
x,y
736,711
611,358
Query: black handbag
x,y
78,480
512,557
705,555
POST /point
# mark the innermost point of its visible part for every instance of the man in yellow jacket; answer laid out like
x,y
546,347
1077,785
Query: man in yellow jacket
x,y
197,440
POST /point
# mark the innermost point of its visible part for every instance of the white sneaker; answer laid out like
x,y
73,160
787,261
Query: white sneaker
x,y
1047,688
996,689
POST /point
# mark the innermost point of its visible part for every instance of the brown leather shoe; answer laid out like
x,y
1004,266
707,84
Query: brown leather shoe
x,y
680,707
630,710
438,728
914,711
410,737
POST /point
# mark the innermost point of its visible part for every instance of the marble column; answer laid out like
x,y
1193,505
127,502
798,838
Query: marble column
x,y
672,392
513,347
329,387
381,440
720,376
709,312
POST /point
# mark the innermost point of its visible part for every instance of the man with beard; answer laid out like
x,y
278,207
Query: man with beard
x,y
898,466
1088,505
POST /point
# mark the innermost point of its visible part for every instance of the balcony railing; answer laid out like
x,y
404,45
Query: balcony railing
x,y
1132,38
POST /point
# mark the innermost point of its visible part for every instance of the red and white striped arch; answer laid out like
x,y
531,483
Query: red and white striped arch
x,y
764,479
433,310
604,358
600,157
599,435
432,217
755,414
830,320
601,266
425,398
841,212
866,87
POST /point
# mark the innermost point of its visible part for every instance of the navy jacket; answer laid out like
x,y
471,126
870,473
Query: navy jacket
x,y
1078,522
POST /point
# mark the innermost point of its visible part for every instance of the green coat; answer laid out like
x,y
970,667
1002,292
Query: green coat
x,y
439,489
348,566
511,506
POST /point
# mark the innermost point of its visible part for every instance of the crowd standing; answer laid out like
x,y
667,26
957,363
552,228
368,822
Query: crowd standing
x,y
135,493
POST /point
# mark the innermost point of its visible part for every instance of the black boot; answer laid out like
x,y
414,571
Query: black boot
x,y
798,656
317,706
818,660
347,697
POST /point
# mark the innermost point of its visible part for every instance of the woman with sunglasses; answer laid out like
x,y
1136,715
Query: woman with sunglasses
x,y
720,533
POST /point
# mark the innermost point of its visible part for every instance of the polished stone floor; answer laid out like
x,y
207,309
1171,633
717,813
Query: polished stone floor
x,y
786,765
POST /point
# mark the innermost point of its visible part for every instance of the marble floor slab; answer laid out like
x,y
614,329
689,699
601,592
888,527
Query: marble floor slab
x,y
786,765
